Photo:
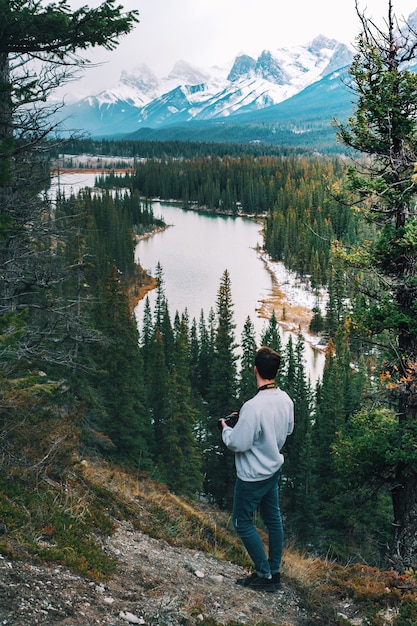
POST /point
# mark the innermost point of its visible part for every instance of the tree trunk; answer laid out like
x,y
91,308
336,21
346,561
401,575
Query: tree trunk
x,y
6,122
404,498
404,492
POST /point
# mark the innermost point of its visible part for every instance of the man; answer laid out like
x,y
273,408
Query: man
x,y
264,423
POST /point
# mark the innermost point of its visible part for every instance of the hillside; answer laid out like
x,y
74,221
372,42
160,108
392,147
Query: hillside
x,y
154,583
175,562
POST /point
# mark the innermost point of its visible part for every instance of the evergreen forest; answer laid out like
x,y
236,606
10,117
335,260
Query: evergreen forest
x,y
149,398
79,379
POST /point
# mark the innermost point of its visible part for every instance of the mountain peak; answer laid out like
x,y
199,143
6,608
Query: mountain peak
x,y
321,41
243,65
185,72
269,68
140,77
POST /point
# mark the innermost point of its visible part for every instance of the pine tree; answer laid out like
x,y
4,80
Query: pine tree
x,y
222,397
384,127
299,485
271,337
121,382
177,446
247,381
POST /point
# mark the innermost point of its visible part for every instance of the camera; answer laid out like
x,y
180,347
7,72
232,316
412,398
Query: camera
x,y
231,420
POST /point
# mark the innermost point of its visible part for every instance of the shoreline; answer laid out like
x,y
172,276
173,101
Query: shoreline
x,y
151,233
56,171
292,313
148,282
292,302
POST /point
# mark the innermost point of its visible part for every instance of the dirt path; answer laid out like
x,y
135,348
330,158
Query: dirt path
x,y
154,584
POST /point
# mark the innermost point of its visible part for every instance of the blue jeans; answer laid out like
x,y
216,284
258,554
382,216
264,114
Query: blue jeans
x,y
262,495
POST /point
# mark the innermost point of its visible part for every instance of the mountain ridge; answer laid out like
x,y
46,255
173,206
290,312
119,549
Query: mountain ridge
x,y
189,94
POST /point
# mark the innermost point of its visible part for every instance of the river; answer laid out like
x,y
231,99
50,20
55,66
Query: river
x,y
195,250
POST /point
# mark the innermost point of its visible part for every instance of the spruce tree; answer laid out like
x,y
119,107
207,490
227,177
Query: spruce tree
x,y
147,332
222,397
330,413
271,337
290,369
121,380
299,485
178,448
156,383
247,381
383,126
160,303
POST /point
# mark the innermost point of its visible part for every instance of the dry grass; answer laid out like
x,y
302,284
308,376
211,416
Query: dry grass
x,y
324,585
306,571
156,511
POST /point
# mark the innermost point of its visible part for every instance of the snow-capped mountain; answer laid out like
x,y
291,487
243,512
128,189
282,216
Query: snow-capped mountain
x,y
142,100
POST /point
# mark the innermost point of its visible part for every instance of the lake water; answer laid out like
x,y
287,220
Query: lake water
x,y
193,252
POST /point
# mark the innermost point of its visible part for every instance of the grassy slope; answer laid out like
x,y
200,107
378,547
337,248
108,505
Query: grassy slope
x,y
60,522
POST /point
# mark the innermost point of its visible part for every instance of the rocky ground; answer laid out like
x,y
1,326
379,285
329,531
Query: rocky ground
x,y
154,584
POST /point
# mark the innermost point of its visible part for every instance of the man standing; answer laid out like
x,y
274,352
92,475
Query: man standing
x,y
264,423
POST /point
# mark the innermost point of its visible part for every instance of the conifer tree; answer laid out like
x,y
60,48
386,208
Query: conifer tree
x,y
383,126
205,357
247,381
177,445
167,333
160,303
121,381
299,492
222,396
156,381
271,337
194,356
147,332
330,412
223,388
290,371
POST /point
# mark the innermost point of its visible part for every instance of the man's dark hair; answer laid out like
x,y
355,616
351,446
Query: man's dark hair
x,y
267,362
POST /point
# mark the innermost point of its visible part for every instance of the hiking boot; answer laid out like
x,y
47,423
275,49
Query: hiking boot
x,y
256,583
276,579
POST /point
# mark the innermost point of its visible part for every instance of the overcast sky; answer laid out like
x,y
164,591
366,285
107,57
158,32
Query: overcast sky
x,y
212,32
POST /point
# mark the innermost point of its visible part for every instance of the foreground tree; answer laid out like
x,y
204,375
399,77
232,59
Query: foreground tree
x,y
39,51
383,187
41,324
